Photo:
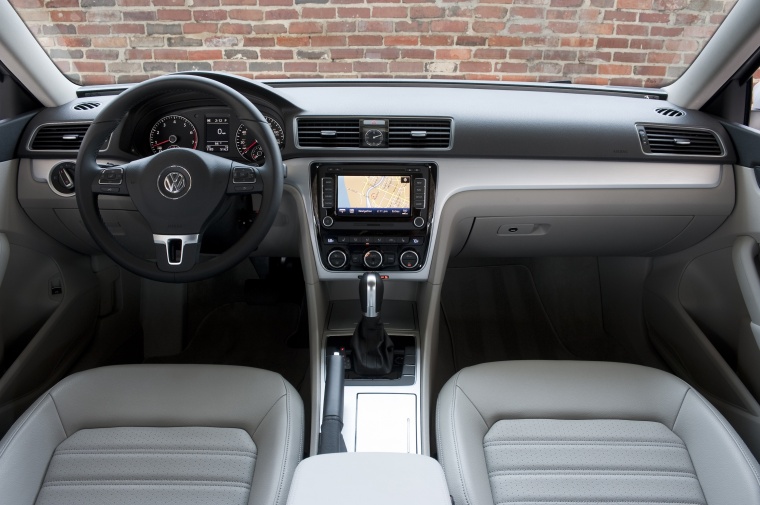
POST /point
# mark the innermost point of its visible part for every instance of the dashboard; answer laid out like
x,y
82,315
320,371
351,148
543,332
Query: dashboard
x,y
438,170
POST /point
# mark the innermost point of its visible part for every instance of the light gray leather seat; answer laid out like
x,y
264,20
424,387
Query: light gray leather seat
x,y
540,432
156,434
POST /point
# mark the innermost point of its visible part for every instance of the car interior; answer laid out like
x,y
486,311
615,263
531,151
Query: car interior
x,y
217,289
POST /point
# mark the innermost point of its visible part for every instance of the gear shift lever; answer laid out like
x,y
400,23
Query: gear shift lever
x,y
372,348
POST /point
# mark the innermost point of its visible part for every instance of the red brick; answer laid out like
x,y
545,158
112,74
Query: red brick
x,y
204,54
276,54
270,28
448,26
475,66
436,40
334,67
666,58
401,40
566,3
171,54
646,44
281,14
140,16
471,41
630,57
193,28
94,29
209,15
246,14
562,27
662,31
618,43
138,54
370,66
453,54
490,12
526,54
102,54
230,66
417,26
258,42
132,28
66,41
632,30
354,12
418,54
638,5
89,66
374,26
649,70
328,41
388,53
527,12
681,45
365,40
490,54
427,11
235,28
525,28
292,41
488,26
627,16
613,69
340,26
318,13
505,41
560,55
305,27
347,54
174,14
512,68
405,66
654,17
67,16
562,14
390,12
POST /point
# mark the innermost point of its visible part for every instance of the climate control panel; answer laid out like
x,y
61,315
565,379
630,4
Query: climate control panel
x,y
373,216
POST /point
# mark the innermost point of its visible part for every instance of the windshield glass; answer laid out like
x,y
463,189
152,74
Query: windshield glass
x,y
605,42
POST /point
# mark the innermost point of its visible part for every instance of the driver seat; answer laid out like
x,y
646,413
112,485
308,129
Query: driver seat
x,y
156,434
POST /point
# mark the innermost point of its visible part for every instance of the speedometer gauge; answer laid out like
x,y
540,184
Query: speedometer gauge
x,y
248,146
173,131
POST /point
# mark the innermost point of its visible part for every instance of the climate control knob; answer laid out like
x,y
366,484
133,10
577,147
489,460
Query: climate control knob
x,y
337,258
409,259
373,259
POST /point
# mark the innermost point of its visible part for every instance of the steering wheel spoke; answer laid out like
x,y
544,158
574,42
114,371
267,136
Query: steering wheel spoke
x,y
111,180
177,253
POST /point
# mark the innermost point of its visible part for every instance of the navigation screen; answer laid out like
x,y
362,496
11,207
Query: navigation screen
x,y
373,195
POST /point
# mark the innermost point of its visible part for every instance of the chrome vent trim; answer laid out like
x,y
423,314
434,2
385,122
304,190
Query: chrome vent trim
x,y
56,137
669,112
679,141
87,106
329,132
422,133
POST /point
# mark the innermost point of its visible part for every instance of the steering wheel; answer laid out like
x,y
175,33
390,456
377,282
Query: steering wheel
x,y
178,191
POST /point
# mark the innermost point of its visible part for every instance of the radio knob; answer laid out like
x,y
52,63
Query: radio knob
x,y
419,221
327,221
373,259
337,258
409,259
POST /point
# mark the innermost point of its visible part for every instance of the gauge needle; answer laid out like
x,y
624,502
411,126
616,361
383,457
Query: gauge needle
x,y
250,146
159,143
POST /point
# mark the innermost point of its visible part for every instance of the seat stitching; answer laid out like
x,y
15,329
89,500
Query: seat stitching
x,y
147,482
656,502
11,436
126,479
287,442
583,442
454,438
594,472
728,431
232,454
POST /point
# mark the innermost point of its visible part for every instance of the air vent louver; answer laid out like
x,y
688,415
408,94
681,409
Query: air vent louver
x,y
669,112
419,133
679,141
325,132
87,106
60,137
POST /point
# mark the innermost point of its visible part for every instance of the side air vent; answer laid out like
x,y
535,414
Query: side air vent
x,y
59,137
669,112
419,133
87,106
679,141
328,132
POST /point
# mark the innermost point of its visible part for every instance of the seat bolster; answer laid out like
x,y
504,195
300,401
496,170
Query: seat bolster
x,y
461,429
26,450
726,469
279,441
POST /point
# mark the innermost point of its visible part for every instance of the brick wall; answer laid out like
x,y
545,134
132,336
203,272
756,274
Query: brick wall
x,y
619,42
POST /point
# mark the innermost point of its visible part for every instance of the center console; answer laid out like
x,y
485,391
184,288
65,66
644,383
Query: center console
x,y
373,216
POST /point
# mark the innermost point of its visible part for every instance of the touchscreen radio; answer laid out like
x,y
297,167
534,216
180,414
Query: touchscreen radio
x,y
373,216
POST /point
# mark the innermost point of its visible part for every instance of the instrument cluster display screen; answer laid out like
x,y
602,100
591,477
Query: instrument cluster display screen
x,y
217,134
374,195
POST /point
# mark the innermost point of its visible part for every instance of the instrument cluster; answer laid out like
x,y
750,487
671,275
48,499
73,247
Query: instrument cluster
x,y
213,130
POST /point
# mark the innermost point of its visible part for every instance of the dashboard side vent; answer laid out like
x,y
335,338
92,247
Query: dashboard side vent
x,y
87,106
329,132
59,137
419,133
679,141
669,112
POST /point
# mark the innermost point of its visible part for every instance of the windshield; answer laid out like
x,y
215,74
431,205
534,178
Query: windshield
x,y
604,42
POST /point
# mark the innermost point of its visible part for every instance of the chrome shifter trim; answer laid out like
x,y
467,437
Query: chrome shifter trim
x,y
371,295
184,239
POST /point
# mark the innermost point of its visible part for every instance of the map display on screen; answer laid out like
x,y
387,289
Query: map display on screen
x,y
375,195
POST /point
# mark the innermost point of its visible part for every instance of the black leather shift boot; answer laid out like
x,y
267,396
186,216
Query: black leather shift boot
x,y
372,348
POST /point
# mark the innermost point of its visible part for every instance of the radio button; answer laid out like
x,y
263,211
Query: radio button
x,y
330,240
416,240
389,259
403,240
356,258
373,259
337,258
343,239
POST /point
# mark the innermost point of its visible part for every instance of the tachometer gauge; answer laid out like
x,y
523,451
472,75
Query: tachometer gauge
x,y
248,146
173,131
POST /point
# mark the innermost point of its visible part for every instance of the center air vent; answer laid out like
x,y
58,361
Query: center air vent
x,y
669,112
678,141
327,132
419,133
87,106
59,137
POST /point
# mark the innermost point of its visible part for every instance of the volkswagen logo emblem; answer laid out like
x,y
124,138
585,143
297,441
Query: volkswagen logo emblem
x,y
174,182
